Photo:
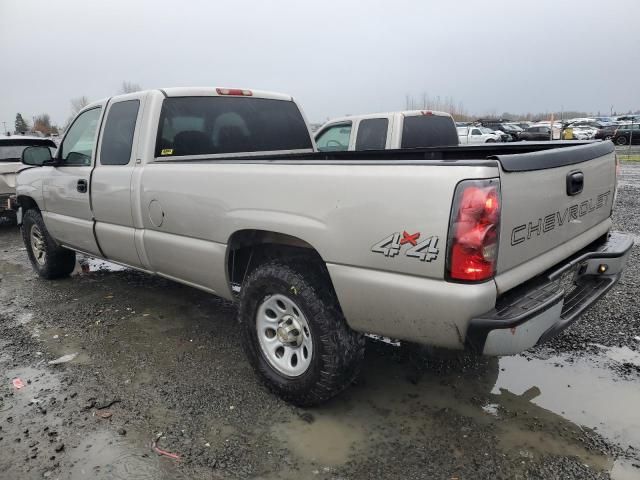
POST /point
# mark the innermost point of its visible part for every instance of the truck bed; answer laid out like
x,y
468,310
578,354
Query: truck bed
x,y
517,156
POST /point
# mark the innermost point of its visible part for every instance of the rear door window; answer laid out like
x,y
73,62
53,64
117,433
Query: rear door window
x,y
117,139
334,138
217,125
428,131
372,134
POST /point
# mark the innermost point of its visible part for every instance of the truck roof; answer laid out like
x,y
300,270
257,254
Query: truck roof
x,y
406,113
209,92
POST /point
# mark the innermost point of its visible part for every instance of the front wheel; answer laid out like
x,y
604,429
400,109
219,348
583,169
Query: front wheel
x,y
621,140
48,258
295,335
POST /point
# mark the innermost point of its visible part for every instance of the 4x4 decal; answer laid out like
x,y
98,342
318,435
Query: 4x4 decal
x,y
425,250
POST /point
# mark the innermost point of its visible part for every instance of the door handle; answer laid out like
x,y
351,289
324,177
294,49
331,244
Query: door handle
x,y
82,185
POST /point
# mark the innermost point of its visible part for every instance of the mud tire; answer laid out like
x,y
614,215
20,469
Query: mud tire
x,y
59,262
337,350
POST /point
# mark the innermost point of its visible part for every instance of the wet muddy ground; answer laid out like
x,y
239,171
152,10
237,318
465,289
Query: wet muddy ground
x,y
160,365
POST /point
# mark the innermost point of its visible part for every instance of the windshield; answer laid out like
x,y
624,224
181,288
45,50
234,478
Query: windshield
x,y
486,130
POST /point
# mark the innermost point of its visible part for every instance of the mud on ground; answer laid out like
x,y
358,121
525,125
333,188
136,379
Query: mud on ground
x,y
157,360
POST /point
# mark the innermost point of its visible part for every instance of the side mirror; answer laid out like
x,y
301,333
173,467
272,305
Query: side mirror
x,y
36,156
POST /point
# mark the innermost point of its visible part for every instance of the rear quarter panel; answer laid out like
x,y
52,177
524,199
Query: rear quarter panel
x,y
340,210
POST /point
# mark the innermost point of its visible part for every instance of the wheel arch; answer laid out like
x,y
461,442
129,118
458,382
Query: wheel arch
x,y
247,248
27,202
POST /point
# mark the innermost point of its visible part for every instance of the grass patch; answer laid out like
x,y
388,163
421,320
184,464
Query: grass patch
x,y
634,157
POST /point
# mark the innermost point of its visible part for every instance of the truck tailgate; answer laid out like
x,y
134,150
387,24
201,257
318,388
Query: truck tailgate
x,y
549,199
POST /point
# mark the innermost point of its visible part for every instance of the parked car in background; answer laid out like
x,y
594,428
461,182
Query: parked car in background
x,y
510,129
504,137
11,148
536,133
605,120
606,132
628,119
583,132
627,134
477,134
385,131
586,123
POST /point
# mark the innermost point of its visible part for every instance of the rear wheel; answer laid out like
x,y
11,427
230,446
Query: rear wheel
x,y
621,140
294,333
47,258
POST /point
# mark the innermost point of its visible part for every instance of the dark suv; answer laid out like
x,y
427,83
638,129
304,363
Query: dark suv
x,y
538,132
606,132
627,134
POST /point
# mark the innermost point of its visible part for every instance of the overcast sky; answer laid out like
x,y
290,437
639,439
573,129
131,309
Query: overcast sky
x,y
335,57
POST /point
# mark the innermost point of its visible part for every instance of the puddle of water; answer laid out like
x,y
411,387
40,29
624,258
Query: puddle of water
x,y
104,456
528,402
38,386
624,470
326,441
581,390
58,343
621,354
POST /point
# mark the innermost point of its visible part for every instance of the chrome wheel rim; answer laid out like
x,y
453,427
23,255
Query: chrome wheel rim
x,y
284,335
37,245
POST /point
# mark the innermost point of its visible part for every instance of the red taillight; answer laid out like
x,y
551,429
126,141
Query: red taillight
x,y
234,91
473,231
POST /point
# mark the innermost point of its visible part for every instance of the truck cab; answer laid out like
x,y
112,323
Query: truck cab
x,y
477,134
387,131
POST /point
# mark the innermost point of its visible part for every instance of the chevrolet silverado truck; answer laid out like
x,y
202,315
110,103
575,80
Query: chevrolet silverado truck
x,y
489,248
11,148
387,131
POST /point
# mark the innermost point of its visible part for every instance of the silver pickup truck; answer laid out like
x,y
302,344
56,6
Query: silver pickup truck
x,y
490,248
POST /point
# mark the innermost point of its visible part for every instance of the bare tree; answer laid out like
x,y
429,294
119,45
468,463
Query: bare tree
x,y
78,104
42,123
129,87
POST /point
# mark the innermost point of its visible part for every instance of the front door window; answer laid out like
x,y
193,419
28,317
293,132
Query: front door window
x,y
78,144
